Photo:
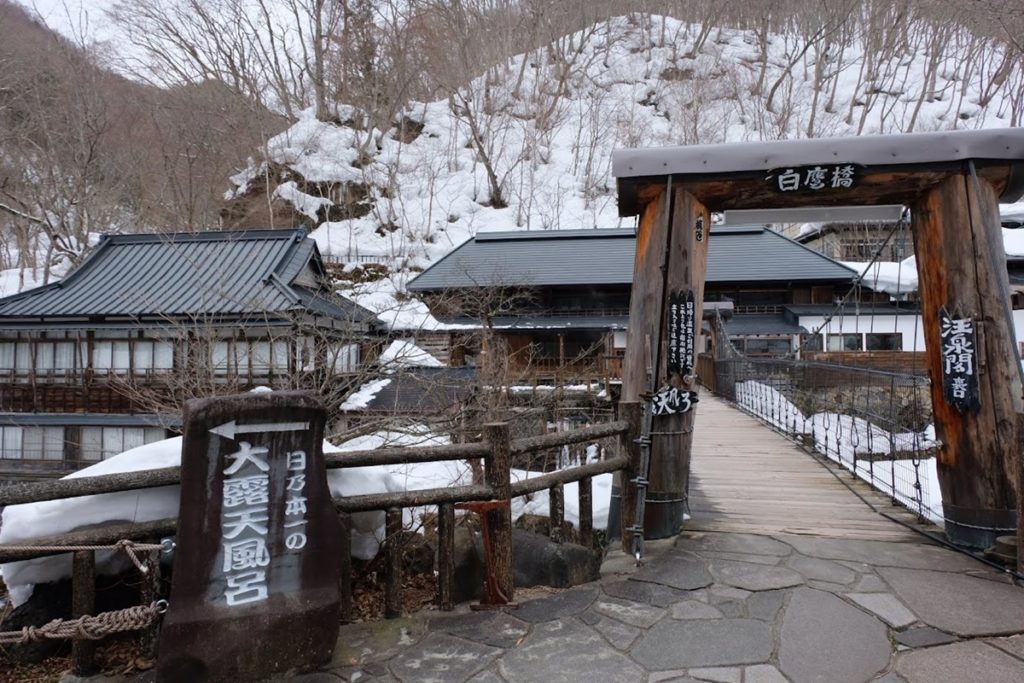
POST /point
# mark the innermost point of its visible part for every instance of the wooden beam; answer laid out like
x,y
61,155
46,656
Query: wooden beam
x,y
671,258
877,185
962,266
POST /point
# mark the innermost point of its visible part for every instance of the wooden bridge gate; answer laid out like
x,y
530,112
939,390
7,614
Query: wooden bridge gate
x,y
951,182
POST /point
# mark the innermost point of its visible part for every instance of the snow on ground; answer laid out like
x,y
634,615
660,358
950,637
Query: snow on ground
x,y
551,152
25,522
848,440
403,353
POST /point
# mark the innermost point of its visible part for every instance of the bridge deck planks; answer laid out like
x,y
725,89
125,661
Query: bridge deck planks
x,y
747,478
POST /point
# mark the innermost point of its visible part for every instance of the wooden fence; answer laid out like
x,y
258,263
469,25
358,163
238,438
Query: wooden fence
x,y
496,453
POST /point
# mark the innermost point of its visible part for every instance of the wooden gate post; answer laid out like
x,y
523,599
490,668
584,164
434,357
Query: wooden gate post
x,y
961,266
671,260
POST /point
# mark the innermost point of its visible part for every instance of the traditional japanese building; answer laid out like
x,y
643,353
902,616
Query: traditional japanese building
x,y
560,299
102,360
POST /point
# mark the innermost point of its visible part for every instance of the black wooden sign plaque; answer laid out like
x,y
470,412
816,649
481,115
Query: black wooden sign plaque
x,y
255,585
959,361
813,179
682,323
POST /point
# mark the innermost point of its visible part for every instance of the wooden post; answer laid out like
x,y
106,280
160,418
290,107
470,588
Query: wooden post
x,y
83,602
445,555
497,474
962,266
393,546
586,506
556,512
671,259
345,613
631,412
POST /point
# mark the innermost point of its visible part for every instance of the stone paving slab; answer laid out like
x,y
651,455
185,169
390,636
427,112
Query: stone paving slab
x,y
959,663
886,607
964,605
712,613
923,637
704,643
567,651
753,577
825,639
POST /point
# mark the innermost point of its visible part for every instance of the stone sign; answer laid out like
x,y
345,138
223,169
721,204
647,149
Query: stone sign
x,y
255,585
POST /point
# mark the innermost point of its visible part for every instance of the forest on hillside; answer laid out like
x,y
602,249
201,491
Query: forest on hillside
x,y
322,111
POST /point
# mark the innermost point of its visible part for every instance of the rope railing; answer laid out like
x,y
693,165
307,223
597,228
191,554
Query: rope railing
x,y
89,627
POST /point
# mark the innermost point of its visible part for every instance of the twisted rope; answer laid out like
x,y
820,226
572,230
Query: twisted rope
x,y
88,627
129,548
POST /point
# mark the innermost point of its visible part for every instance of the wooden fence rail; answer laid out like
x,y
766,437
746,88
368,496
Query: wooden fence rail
x,y
495,451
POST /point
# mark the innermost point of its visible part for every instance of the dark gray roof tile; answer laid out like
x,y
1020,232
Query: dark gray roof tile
x,y
186,274
595,257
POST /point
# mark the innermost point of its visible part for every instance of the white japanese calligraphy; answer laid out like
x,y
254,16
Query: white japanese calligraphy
x,y
249,553
252,518
246,453
246,491
246,587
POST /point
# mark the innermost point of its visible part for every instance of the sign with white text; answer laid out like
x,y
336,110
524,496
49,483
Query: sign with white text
x,y
255,584
959,361
818,178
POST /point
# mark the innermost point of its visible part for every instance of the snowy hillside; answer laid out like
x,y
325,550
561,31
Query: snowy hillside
x,y
528,144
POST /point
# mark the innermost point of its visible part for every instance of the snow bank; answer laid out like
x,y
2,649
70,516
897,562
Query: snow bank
x,y
25,522
32,520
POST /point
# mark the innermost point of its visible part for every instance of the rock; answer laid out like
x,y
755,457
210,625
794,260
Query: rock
x,y
417,554
538,561
468,583
541,524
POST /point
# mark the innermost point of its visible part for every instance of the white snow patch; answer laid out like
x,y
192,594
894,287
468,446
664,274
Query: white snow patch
x,y
403,353
362,397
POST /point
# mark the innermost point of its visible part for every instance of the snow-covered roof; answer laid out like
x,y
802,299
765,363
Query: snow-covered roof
x,y
403,353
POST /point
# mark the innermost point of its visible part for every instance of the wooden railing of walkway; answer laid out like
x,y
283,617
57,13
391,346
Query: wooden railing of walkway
x,y
496,451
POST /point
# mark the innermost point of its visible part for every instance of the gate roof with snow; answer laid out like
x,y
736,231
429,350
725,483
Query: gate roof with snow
x,y
890,169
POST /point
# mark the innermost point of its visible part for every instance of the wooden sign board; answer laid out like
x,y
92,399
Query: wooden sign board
x,y
959,362
682,322
673,401
255,585
817,178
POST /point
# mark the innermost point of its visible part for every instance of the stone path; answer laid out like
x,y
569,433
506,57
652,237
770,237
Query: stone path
x,y
725,607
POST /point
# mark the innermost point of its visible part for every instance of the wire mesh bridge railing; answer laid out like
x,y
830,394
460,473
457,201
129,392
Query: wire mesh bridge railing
x,y
874,423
